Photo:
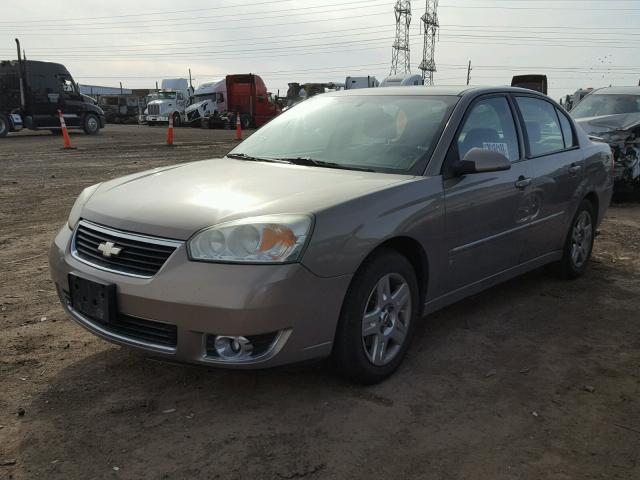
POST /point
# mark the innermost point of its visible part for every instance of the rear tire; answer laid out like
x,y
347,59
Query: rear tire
x,y
378,318
91,125
579,242
4,125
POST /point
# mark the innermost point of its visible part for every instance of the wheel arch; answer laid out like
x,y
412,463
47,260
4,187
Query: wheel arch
x,y
592,197
414,252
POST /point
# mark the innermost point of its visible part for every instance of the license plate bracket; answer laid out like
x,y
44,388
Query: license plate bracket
x,y
96,300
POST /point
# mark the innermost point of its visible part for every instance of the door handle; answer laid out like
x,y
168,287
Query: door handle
x,y
573,169
522,182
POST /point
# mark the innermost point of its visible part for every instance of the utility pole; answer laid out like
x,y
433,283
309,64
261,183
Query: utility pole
x,y
431,25
400,58
469,73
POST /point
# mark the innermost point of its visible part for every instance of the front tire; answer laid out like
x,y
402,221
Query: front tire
x,y
177,120
579,242
91,124
377,320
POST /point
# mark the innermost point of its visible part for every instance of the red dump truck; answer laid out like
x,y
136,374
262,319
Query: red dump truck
x,y
217,102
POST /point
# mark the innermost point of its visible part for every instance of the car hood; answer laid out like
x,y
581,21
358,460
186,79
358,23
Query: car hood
x,y
609,123
177,201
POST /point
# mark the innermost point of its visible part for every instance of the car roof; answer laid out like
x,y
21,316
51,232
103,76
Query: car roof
x,y
617,91
425,90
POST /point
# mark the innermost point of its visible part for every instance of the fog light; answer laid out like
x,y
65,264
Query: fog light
x,y
232,348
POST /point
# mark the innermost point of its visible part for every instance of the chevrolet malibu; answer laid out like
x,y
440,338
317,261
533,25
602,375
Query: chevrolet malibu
x,y
331,231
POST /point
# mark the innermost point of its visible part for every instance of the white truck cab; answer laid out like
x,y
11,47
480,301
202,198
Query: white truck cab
x,y
170,101
402,80
209,101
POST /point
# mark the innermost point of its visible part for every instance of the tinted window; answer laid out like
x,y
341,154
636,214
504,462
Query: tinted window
x,y
490,126
567,132
383,133
542,125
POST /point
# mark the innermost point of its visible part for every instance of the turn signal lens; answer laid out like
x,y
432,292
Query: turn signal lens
x,y
268,239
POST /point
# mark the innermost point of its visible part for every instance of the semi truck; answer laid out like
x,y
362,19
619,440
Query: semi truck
x,y
32,93
171,100
216,103
534,82
352,83
402,80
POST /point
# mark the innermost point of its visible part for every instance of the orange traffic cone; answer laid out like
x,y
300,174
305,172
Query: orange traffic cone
x,y
65,134
170,132
238,127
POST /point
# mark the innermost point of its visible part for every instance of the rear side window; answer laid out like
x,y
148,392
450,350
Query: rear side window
x,y
490,126
567,131
544,134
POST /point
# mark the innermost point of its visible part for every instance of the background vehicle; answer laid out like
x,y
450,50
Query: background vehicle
x,y
402,80
170,101
351,83
217,103
32,92
612,115
537,83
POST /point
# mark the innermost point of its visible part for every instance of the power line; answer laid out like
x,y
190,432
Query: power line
x,y
244,18
129,33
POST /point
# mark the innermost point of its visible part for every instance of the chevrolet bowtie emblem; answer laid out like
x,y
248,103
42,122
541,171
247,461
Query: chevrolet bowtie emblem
x,y
108,249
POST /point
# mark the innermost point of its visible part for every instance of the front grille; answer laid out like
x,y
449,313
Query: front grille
x,y
154,109
135,328
137,255
144,330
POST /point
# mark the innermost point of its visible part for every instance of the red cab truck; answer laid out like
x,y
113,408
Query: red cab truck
x,y
217,102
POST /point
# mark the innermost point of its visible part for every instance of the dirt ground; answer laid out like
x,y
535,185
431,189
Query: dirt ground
x,y
534,379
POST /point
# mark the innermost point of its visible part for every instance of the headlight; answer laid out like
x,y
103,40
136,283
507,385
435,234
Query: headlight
x,y
268,239
76,210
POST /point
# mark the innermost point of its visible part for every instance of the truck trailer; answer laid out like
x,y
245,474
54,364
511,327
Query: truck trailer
x,y
32,93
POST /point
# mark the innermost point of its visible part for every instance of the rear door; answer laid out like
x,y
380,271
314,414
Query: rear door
x,y
486,213
558,169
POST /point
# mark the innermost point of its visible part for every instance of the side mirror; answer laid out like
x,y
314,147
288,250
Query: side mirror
x,y
480,160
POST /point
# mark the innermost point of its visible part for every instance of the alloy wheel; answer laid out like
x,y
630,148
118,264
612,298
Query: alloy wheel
x,y
385,322
581,239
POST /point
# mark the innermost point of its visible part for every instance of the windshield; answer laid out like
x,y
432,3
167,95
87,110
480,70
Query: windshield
x,y
166,95
199,97
595,105
381,133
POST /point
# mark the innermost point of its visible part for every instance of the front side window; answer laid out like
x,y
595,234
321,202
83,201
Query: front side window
x,y
490,126
67,85
541,123
388,133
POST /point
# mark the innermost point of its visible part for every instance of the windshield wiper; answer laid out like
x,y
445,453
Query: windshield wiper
x,y
310,162
250,158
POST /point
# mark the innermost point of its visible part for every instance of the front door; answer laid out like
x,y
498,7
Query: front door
x,y
486,213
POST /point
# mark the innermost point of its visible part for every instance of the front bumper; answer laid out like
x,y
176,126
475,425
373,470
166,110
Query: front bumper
x,y
204,299
157,118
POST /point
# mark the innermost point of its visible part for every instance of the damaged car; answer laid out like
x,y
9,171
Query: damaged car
x,y
612,115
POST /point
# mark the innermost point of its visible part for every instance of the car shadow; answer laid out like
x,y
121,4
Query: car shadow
x,y
119,406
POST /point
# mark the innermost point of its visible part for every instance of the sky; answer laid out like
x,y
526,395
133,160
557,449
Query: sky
x,y
576,43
